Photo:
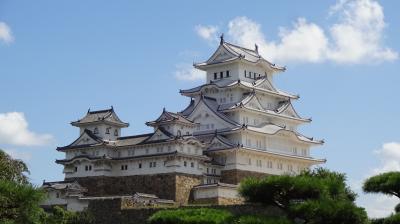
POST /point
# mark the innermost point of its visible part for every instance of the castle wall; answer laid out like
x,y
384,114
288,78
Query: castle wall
x,y
173,186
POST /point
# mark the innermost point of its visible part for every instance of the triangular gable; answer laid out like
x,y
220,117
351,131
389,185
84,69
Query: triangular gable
x,y
192,140
165,116
203,111
159,134
252,102
219,142
288,110
265,84
221,54
86,138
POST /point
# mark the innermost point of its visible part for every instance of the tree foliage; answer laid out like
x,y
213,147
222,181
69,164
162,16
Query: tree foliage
x,y
385,183
19,203
192,216
19,200
318,196
250,219
59,215
12,169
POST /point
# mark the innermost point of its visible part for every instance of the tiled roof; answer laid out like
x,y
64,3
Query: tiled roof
x,y
108,115
239,53
167,117
228,83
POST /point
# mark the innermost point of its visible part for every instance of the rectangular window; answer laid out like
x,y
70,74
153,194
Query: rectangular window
x,y
76,169
88,168
245,74
192,164
215,75
221,75
227,73
184,163
140,165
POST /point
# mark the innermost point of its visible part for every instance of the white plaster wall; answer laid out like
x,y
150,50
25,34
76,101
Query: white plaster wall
x,y
233,72
102,131
250,68
213,192
162,165
52,198
76,205
248,161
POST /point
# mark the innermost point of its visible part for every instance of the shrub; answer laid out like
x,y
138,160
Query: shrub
x,y
263,220
191,216
59,215
393,219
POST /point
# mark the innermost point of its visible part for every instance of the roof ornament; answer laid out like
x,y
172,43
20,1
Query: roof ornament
x,y
88,111
163,109
221,39
256,48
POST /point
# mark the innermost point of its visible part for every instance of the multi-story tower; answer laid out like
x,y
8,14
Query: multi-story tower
x,y
236,125
255,123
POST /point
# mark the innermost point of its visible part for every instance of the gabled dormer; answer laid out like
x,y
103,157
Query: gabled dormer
x,y
234,62
174,123
105,124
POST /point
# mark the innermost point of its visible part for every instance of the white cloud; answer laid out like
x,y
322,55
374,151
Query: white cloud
x,y
187,72
16,154
14,131
356,37
359,33
379,205
389,156
5,33
306,42
208,33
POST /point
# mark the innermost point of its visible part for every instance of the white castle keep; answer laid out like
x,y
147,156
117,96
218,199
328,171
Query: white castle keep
x,y
238,124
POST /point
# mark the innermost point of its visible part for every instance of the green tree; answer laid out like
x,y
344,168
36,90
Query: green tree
x,y
12,169
19,200
388,184
19,203
385,183
192,216
318,196
59,215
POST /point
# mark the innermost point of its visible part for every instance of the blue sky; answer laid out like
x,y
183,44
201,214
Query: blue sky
x,y
57,59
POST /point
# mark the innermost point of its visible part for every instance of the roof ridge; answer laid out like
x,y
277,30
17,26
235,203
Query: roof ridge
x,y
243,48
133,136
100,111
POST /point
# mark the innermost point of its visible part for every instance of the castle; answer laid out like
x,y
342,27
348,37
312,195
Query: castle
x,y
237,125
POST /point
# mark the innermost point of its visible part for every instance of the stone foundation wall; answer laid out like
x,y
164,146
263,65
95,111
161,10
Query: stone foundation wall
x,y
184,186
173,186
235,176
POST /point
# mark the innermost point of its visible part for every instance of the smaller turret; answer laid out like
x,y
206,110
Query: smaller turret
x,y
104,124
